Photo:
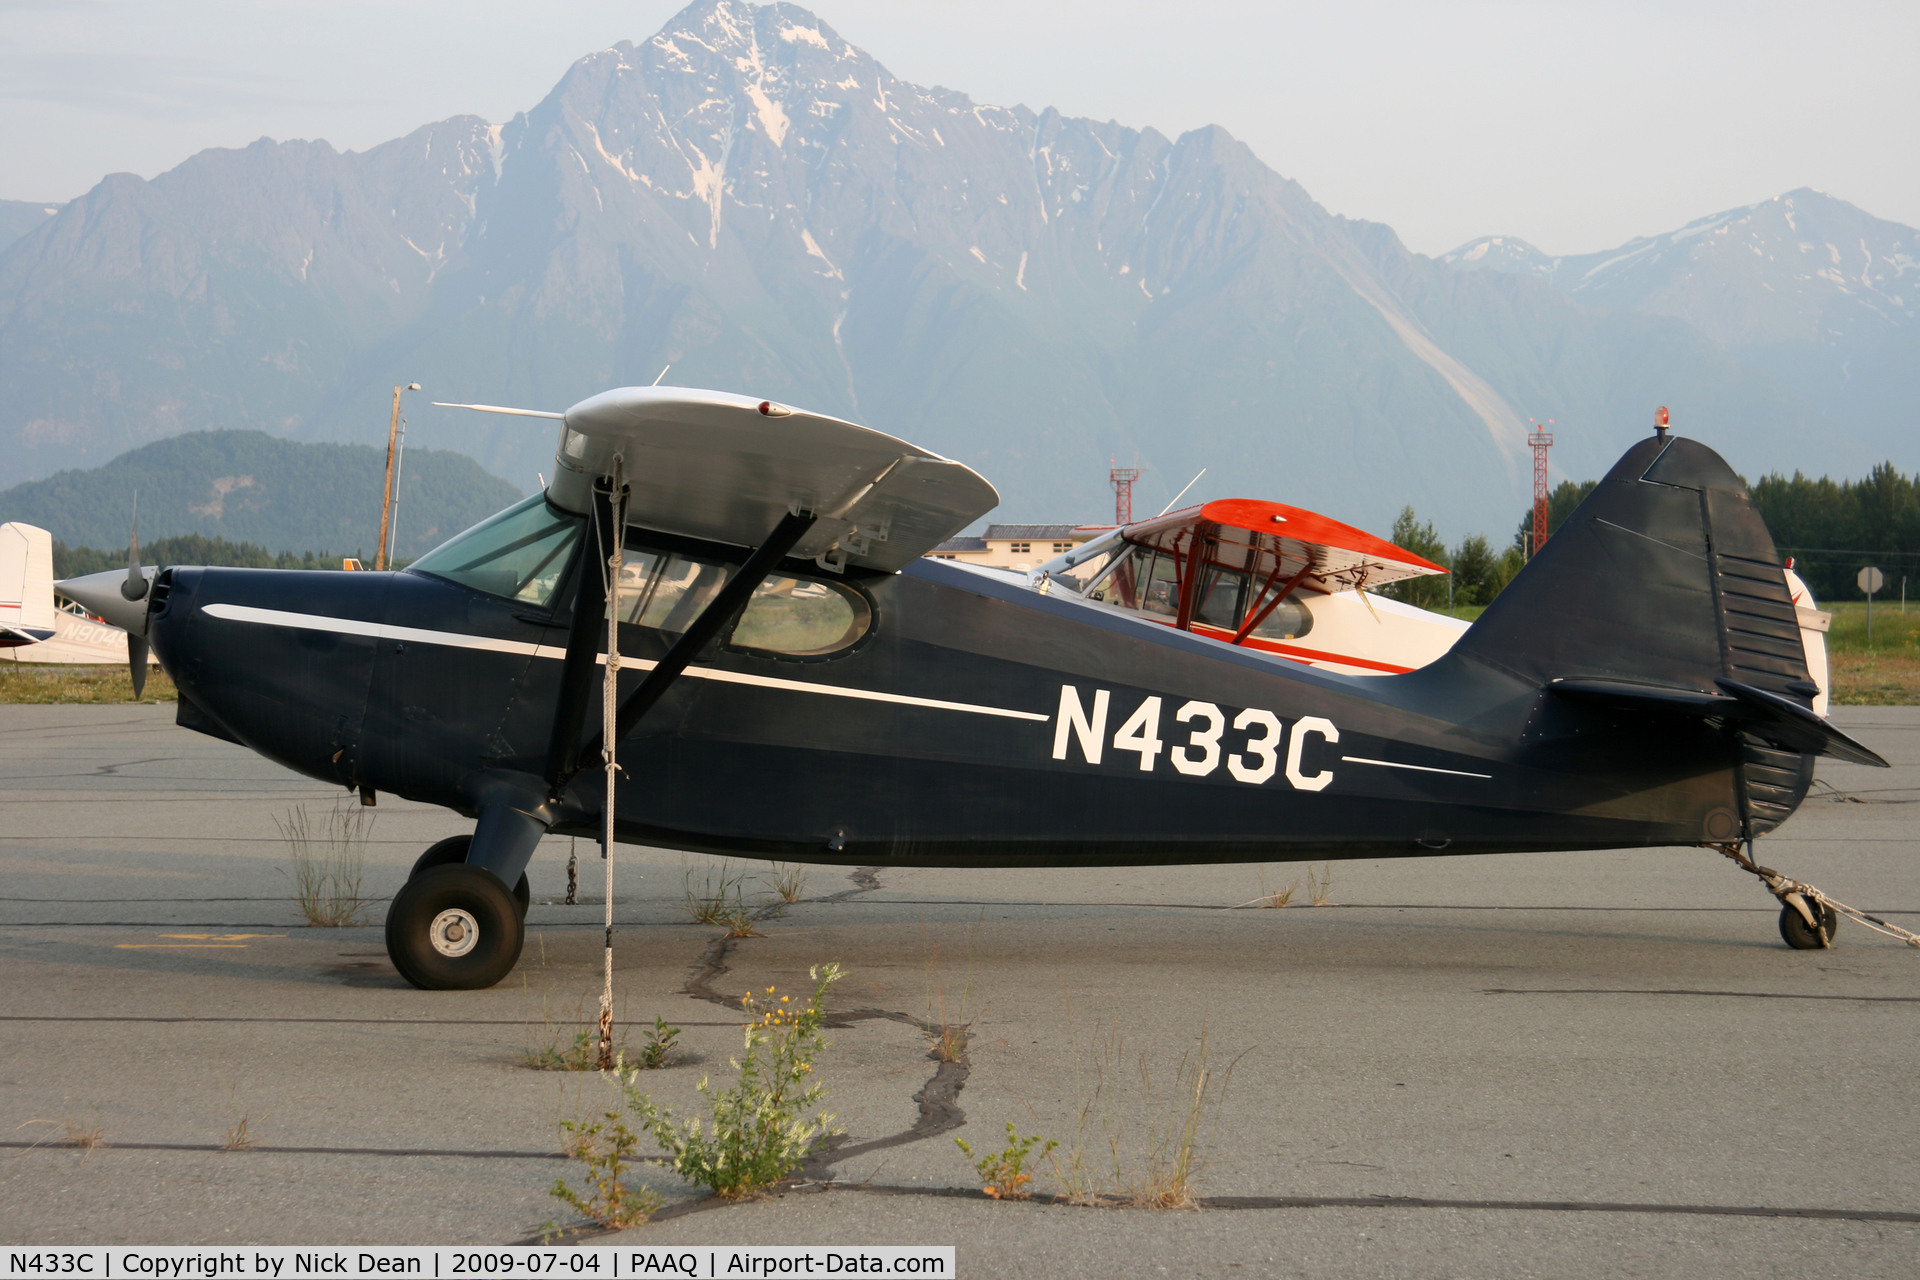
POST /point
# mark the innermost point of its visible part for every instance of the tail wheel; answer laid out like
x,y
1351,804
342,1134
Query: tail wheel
x,y
454,928
453,850
1794,930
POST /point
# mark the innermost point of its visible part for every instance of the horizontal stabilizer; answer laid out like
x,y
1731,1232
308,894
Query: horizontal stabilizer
x,y
1780,721
1786,723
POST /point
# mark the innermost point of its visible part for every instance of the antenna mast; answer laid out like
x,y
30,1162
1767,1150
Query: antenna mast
x,y
1122,479
1541,440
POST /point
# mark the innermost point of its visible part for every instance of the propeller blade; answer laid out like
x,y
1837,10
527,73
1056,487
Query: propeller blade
x,y
135,587
137,662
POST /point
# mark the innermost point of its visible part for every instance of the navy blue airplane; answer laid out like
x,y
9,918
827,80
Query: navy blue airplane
x,y
798,682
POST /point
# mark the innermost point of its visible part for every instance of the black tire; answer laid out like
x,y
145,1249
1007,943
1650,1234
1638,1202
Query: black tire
x,y
478,924
453,850
1793,928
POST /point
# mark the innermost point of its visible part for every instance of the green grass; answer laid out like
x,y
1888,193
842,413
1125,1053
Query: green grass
x,y
1884,671
56,682
1894,630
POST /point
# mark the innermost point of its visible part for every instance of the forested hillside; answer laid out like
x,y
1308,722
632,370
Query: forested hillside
x,y
189,548
1835,528
1831,529
250,487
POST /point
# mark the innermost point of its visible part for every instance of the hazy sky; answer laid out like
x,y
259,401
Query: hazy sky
x,y
1573,125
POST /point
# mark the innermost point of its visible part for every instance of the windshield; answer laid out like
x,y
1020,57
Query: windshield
x,y
519,554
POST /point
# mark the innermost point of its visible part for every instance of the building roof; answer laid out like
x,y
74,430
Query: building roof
x,y
961,544
1032,532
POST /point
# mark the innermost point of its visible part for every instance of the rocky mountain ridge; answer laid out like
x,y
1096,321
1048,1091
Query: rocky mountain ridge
x,y
760,205
1808,287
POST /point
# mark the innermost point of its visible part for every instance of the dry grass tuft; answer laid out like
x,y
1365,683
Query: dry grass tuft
x,y
949,1031
1320,886
1138,1138
720,900
85,1135
328,855
1270,899
788,882
239,1136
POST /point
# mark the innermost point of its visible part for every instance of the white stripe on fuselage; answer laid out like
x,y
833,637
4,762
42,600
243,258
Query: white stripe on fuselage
x,y
454,639
1417,768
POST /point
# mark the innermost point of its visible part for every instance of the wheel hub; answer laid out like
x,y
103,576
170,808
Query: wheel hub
x,y
454,932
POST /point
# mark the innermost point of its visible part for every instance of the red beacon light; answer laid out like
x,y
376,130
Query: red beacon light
x,y
1660,421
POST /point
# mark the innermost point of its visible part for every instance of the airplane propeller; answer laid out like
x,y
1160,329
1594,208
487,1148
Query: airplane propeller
x,y
135,588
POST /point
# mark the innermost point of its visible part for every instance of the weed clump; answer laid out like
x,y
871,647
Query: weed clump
x,y
328,856
605,1146
1320,886
768,1122
719,901
1138,1138
787,882
1005,1171
86,1134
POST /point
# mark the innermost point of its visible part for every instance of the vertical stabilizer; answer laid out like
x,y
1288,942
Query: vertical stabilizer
x,y
26,584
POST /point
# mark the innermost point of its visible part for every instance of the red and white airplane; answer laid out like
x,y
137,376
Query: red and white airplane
x,y
1290,582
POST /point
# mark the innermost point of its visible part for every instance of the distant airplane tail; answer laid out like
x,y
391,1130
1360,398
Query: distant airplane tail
x,y
1662,596
26,585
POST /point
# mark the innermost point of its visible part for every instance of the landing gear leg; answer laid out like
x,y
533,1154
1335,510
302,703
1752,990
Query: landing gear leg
x,y
1808,921
454,850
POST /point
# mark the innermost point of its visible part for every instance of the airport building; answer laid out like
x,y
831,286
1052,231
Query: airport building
x,y
1017,546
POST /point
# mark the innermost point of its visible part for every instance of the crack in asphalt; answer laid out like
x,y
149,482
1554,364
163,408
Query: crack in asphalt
x,y
938,1100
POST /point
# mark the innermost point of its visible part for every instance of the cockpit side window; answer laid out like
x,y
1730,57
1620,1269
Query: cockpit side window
x,y
1290,620
520,554
788,615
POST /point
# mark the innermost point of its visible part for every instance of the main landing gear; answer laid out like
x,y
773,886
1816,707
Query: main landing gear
x,y
455,927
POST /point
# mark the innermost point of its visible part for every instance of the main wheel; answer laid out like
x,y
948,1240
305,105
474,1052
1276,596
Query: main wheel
x,y
454,928
1793,928
453,850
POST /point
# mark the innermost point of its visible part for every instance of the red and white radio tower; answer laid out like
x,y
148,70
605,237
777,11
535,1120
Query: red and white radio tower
x,y
1541,439
1123,478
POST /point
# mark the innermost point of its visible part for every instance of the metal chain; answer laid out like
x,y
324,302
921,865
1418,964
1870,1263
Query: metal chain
x,y
1786,888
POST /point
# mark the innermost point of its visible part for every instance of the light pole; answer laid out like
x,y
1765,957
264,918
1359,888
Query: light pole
x,y
386,502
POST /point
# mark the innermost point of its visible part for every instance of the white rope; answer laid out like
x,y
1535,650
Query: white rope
x,y
1786,888
609,718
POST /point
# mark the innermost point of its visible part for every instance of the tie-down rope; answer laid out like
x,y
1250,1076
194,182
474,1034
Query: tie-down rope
x,y
1797,894
611,558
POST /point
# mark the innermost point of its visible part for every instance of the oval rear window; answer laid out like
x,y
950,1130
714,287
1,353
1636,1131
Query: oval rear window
x,y
802,617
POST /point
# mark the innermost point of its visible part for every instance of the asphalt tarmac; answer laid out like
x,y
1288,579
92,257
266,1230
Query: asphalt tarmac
x,y
1544,1065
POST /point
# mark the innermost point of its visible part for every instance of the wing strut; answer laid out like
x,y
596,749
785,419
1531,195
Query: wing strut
x,y
583,649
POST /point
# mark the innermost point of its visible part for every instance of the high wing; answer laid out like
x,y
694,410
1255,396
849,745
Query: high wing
x,y
1275,541
727,468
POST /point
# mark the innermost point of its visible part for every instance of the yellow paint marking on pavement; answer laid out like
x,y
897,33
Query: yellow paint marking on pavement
x,y
220,937
211,942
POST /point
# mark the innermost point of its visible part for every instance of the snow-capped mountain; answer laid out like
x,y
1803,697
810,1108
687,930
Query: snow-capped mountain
x,y
1804,285
761,205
